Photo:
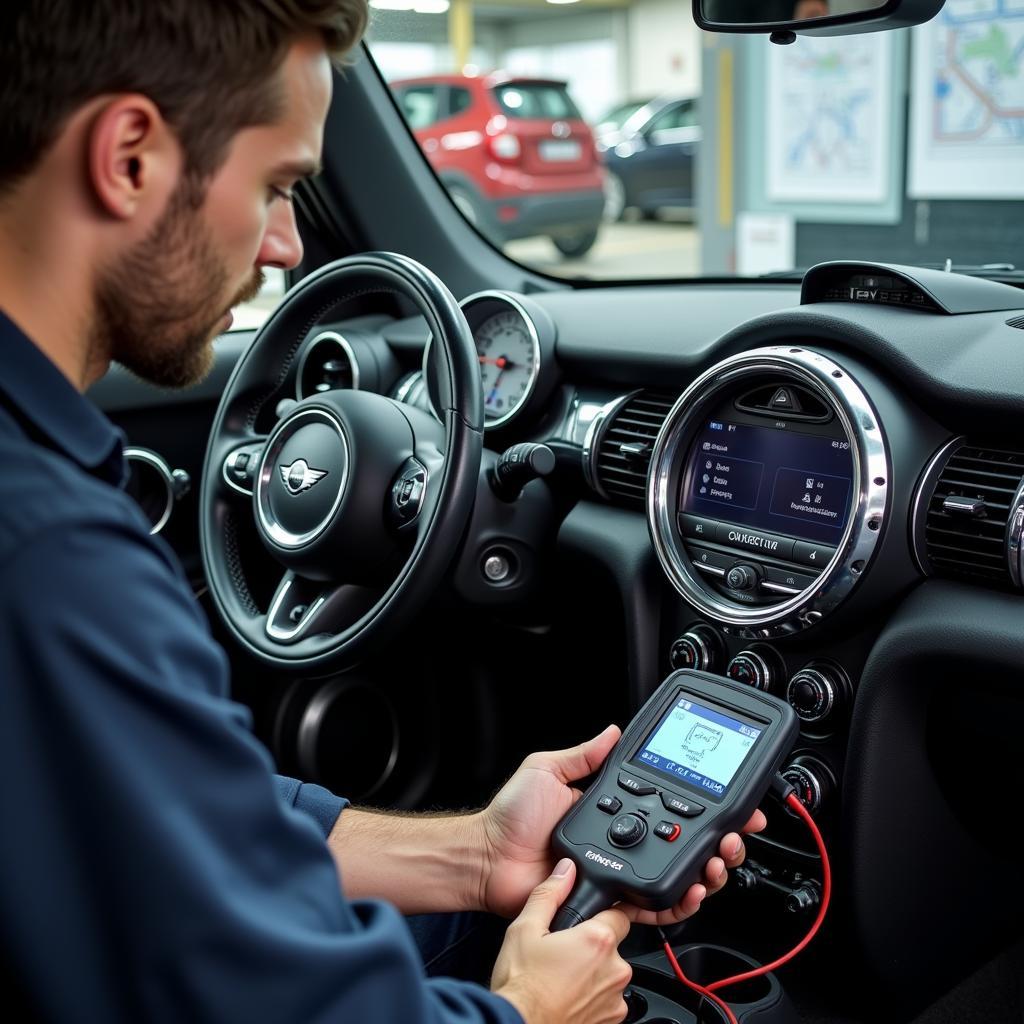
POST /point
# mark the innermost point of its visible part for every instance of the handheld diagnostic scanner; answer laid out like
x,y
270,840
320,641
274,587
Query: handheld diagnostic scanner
x,y
692,766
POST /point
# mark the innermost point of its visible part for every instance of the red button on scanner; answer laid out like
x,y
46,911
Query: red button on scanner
x,y
667,830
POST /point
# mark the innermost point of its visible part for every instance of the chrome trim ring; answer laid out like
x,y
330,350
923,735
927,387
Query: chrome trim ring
x,y
872,478
277,533
1014,535
823,685
760,665
151,459
335,338
919,507
592,440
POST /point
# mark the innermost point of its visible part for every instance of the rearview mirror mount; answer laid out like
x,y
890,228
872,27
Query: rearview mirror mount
x,y
785,19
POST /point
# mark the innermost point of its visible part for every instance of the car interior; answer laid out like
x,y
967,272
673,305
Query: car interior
x,y
531,494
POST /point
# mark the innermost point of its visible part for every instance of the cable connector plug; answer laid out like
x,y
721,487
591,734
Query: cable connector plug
x,y
782,789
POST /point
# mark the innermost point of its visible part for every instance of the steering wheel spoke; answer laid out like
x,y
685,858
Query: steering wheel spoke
x,y
303,608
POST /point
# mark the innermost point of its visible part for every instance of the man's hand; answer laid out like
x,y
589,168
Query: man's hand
x,y
518,823
570,977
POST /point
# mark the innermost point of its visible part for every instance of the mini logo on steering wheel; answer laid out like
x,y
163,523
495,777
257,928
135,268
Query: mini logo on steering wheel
x,y
300,476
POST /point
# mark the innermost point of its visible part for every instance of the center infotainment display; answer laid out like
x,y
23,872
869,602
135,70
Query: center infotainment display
x,y
771,479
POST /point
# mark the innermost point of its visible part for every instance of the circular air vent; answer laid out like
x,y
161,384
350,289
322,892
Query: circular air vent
x,y
969,514
618,446
152,484
327,364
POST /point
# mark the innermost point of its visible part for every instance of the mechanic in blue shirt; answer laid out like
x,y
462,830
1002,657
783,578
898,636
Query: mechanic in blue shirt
x,y
151,865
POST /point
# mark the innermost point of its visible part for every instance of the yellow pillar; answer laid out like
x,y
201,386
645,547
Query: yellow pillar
x,y
460,31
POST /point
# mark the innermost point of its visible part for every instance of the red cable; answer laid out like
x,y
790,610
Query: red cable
x,y
699,989
826,894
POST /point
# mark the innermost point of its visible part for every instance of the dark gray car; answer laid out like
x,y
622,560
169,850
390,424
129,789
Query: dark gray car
x,y
650,158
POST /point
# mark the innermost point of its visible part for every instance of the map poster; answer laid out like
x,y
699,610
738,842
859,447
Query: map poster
x,y
967,113
828,125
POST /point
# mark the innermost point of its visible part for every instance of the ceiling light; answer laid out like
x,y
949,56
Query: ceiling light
x,y
416,6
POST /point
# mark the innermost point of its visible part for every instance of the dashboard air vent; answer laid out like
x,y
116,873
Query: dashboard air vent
x,y
626,443
965,523
1017,321
327,363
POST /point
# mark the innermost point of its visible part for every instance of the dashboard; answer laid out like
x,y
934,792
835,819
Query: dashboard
x,y
817,497
778,482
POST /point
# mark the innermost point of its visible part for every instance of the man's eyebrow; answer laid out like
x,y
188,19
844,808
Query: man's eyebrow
x,y
298,169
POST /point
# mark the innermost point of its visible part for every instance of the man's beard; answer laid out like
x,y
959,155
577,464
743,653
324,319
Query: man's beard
x,y
158,306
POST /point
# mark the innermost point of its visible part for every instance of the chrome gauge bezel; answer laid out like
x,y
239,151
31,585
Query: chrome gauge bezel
x,y
872,483
502,298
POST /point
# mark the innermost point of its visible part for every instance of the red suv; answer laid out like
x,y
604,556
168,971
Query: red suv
x,y
514,154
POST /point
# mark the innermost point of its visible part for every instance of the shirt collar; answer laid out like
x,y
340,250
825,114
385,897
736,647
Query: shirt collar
x,y
46,400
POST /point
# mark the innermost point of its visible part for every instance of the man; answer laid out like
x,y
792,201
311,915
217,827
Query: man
x,y
152,866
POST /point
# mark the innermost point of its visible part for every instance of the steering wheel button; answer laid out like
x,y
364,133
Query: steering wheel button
x,y
635,785
667,830
684,808
609,804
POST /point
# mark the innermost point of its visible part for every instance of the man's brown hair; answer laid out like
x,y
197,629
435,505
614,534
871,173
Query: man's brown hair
x,y
209,65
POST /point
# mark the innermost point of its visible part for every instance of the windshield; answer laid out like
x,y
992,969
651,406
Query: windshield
x,y
612,140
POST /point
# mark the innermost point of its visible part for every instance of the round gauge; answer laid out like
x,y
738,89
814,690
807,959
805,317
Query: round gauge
x,y
508,354
514,340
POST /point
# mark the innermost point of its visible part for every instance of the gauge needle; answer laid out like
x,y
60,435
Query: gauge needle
x,y
502,364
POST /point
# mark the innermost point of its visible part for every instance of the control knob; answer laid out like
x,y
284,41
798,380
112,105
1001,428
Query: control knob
x,y
742,577
812,779
759,667
817,692
698,648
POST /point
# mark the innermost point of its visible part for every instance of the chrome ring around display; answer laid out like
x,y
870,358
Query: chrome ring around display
x,y
335,338
872,480
277,533
531,329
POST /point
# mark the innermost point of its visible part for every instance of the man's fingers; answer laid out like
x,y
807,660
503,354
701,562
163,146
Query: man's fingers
x,y
731,850
616,919
758,822
544,901
582,760
715,873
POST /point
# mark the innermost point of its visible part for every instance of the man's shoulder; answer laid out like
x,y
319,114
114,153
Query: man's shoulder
x,y
42,492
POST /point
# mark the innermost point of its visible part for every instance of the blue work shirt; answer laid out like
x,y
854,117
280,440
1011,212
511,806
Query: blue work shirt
x,y
152,867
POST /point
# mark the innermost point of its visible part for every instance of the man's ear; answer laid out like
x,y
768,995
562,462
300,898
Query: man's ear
x,y
133,156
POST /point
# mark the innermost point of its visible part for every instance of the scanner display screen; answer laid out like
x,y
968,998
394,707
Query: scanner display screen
x,y
698,745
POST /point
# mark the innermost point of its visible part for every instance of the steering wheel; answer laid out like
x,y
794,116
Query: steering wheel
x,y
360,501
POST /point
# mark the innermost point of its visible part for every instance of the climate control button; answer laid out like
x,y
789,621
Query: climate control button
x,y
817,693
758,666
698,648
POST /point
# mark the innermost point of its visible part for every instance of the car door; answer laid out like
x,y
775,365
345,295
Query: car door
x,y
667,161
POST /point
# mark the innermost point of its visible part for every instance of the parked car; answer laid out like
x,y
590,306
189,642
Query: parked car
x,y
649,156
514,153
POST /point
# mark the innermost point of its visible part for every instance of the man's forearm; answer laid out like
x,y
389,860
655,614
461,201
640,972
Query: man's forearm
x,y
422,863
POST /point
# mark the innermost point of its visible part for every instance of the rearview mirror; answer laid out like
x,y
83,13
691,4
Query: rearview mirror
x,y
786,18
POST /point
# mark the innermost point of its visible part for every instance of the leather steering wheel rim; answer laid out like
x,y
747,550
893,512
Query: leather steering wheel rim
x,y
259,378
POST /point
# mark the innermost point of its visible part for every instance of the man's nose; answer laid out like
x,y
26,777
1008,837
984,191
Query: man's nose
x,y
282,247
